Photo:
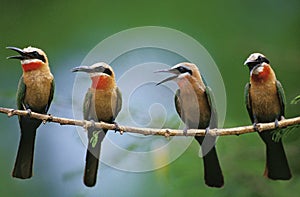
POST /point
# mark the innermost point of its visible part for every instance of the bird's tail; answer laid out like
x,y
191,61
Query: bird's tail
x,y
213,175
277,167
92,160
24,160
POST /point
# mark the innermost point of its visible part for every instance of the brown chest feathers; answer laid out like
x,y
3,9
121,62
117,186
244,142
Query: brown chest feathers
x,y
264,100
105,104
38,87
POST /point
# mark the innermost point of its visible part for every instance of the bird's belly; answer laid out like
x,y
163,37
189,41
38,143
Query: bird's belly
x,y
104,106
196,114
265,103
38,92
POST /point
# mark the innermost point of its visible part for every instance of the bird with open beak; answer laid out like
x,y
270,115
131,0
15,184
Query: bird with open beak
x,y
265,102
103,102
195,105
35,93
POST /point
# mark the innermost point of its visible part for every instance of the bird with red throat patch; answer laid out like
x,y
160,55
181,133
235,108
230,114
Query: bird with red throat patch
x,y
265,102
35,93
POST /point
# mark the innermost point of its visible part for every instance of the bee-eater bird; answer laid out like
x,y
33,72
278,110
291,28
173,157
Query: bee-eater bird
x,y
103,102
195,105
35,93
265,101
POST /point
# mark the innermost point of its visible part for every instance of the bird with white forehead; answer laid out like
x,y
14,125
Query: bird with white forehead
x,y
102,102
35,93
265,102
195,105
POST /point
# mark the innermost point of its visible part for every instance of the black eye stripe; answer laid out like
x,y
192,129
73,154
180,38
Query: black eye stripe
x,y
183,69
36,55
107,71
261,59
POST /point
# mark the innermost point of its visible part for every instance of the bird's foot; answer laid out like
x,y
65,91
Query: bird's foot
x,y
117,128
29,112
93,125
276,123
206,130
255,127
185,131
11,113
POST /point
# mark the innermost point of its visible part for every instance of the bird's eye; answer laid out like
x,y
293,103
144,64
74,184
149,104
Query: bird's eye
x,y
35,53
181,69
259,58
107,71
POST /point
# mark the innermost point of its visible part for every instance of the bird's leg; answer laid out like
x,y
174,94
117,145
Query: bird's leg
x,y
27,108
92,126
117,128
207,130
276,123
255,122
185,130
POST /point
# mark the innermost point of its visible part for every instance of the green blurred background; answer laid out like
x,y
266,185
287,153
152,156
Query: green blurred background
x,y
229,30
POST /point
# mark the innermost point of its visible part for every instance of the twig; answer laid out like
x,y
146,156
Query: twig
x,y
150,131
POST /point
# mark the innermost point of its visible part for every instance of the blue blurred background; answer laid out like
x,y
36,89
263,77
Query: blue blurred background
x,y
229,30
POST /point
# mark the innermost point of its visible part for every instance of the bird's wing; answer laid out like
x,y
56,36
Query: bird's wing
x,y
281,96
248,101
50,96
21,94
177,103
118,103
211,101
88,107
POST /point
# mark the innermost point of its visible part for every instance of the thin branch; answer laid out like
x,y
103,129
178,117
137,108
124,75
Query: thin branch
x,y
150,131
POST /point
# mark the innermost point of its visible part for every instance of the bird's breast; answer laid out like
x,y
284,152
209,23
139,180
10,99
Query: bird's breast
x,y
196,109
38,87
265,101
105,104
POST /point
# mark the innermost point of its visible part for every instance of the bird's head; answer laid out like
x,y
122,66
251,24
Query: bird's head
x,y
182,71
31,58
256,61
102,74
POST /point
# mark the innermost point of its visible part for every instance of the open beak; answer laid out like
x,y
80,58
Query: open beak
x,y
171,70
22,55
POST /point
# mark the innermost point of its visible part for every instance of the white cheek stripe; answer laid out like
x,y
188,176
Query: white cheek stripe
x,y
183,75
30,61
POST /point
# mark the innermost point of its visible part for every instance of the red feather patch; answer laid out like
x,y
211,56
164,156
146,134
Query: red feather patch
x,y
263,75
31,66
100,82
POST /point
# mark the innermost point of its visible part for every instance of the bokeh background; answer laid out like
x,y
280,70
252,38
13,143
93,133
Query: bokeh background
x,y
229,30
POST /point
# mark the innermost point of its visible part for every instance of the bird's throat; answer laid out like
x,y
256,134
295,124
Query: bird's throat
x,y
262,75
101,82
31,66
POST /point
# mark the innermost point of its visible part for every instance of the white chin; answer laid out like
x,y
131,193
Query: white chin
x,y
181,76
30,61
258,70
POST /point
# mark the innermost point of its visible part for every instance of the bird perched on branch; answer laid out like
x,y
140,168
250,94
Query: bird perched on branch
x,y
35,93
265,102
103,102
195,105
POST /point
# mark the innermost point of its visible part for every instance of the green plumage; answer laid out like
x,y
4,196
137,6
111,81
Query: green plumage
x,y
212,170
277,167
28,126
91,112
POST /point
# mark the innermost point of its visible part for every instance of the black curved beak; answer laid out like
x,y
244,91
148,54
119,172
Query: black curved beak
x,y
171,70
88,69
22,55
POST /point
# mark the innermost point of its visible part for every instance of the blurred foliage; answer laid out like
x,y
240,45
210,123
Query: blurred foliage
x,y
296,100
229,30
